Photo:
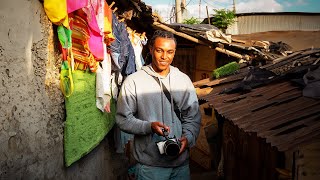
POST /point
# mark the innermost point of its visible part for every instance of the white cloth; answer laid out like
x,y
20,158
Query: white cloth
x,y
137,44
103,83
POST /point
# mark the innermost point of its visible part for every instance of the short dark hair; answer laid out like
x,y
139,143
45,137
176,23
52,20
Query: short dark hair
x,y
163,34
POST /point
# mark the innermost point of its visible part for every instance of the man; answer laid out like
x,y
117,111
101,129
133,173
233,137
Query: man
x,y
146,108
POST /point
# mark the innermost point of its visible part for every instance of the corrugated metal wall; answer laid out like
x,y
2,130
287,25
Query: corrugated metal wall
x,y
268,22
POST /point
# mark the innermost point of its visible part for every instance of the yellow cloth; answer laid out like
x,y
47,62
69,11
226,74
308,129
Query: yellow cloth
x,y
56,10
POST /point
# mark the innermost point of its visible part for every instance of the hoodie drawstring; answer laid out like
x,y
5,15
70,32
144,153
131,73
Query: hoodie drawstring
x,y
162,108
171,103
171,100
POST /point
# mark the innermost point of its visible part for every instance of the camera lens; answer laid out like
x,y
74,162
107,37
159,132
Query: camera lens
x,y
171,148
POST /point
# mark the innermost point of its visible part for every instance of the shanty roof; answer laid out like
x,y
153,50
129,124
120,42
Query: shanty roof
x,y
276,110
139,15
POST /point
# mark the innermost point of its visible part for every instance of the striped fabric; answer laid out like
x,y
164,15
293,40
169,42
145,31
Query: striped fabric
x,y
80,37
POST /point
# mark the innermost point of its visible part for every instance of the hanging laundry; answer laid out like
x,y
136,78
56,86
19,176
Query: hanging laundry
x,y
56,10
85,126
66,80
122,52
94,13
98,9
103,84
114,85
107,29
137,41
74,5
64,36
80,36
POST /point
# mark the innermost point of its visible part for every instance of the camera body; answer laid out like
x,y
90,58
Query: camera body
x,y
170,146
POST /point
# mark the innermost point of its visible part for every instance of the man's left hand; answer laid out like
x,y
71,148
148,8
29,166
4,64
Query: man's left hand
x,y
184,144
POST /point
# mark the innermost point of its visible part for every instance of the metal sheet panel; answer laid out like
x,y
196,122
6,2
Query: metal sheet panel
x,y
277,112
274,22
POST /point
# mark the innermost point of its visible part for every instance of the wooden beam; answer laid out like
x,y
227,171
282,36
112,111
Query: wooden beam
x,y
208,16
231,53
239,41
164,27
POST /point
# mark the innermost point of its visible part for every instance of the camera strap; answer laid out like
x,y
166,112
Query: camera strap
x,y
168,96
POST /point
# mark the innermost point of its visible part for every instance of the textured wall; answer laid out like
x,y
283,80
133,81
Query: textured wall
x,y
32,106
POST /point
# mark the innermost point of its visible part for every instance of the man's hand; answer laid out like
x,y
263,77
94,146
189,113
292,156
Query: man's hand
x,y
157,128
184,144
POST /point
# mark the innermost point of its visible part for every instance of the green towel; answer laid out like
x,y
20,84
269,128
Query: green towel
x,y
226,70
85,125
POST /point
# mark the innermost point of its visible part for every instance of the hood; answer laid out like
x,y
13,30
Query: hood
x,y
149,70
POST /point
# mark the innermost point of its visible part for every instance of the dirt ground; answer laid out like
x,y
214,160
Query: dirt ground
x,y
296,39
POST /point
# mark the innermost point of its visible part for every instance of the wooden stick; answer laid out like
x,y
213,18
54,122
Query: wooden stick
x,y
164,27
239,41
208,15
110,6
115,9
231,53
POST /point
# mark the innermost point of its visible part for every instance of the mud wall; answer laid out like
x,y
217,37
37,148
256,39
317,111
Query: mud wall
x,y
32,110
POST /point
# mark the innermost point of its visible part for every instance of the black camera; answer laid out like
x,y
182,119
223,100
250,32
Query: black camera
x,y
170,146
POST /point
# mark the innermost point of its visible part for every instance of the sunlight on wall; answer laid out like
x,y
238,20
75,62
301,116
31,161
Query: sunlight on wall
x,y
28,54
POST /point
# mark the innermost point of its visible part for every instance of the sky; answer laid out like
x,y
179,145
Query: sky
x,y
197,8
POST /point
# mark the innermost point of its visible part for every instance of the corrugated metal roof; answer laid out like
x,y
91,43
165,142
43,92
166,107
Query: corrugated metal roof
x,y
277,112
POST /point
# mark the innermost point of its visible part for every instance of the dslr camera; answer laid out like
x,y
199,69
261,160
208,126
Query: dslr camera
x,y
170,146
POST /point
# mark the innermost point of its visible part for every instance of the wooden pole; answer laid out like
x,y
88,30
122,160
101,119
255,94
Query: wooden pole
x,y
178,11
208,15
166,28
183,9
199,8
231,53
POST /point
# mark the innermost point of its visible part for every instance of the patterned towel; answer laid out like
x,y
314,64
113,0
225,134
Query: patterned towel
x,y
85,125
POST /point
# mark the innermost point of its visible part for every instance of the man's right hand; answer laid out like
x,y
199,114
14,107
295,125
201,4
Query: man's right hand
x,y
157,128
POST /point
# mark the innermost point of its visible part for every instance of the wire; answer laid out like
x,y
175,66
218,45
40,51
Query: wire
x,y
175,14
219,4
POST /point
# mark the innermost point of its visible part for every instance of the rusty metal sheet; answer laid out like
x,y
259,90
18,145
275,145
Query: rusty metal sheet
x,y
270,114
276,112
296,137
290,125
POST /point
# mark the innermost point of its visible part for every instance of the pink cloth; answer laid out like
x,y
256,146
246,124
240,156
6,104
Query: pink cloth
x,y
93,11
73,5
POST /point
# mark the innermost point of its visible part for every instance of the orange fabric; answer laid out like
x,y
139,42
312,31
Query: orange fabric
x,y
108,35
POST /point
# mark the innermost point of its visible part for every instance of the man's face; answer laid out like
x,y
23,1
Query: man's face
x,y
162,53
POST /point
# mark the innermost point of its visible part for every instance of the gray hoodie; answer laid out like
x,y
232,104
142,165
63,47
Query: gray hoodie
x,y
142,101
